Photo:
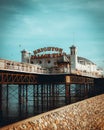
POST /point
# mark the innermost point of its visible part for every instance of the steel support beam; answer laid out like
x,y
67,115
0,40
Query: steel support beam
x,y
67,93
17,78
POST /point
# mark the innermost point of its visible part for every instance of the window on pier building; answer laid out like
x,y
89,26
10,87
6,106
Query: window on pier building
x,y
55,63
49,61
8,63
40,62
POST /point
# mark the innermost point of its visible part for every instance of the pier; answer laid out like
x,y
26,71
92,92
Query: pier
x,y
28,89
51,65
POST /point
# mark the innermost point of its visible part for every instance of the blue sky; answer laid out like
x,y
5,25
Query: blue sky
x,y
33,24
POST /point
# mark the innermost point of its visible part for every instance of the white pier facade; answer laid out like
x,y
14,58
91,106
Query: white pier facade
x,y
55,62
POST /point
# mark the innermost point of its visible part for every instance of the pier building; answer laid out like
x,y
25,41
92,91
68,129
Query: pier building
x,y
55,60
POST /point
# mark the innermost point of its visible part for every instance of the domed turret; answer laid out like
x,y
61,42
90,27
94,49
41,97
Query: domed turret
x,y
73,58
73,50
25,57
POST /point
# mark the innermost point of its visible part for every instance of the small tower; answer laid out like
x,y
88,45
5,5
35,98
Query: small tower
x,y
73,58
25,56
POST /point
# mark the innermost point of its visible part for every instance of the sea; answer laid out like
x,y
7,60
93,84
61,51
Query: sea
x,y
19,104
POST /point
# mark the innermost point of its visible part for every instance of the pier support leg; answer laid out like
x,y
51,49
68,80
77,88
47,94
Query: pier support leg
x,y
19,100
86,91
26,93
23,94
0,104
47,96
34,95
26,98
53,95
37,97
19,94
42,96
80,92
67,93
92,89
7,98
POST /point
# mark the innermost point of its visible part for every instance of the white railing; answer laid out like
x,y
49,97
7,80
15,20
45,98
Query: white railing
x,y
31,68
20,67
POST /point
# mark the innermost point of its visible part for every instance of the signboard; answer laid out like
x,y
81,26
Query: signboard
x,y
48,49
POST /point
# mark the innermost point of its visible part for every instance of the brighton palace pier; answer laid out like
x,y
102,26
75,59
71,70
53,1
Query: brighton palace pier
x,y
48,75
